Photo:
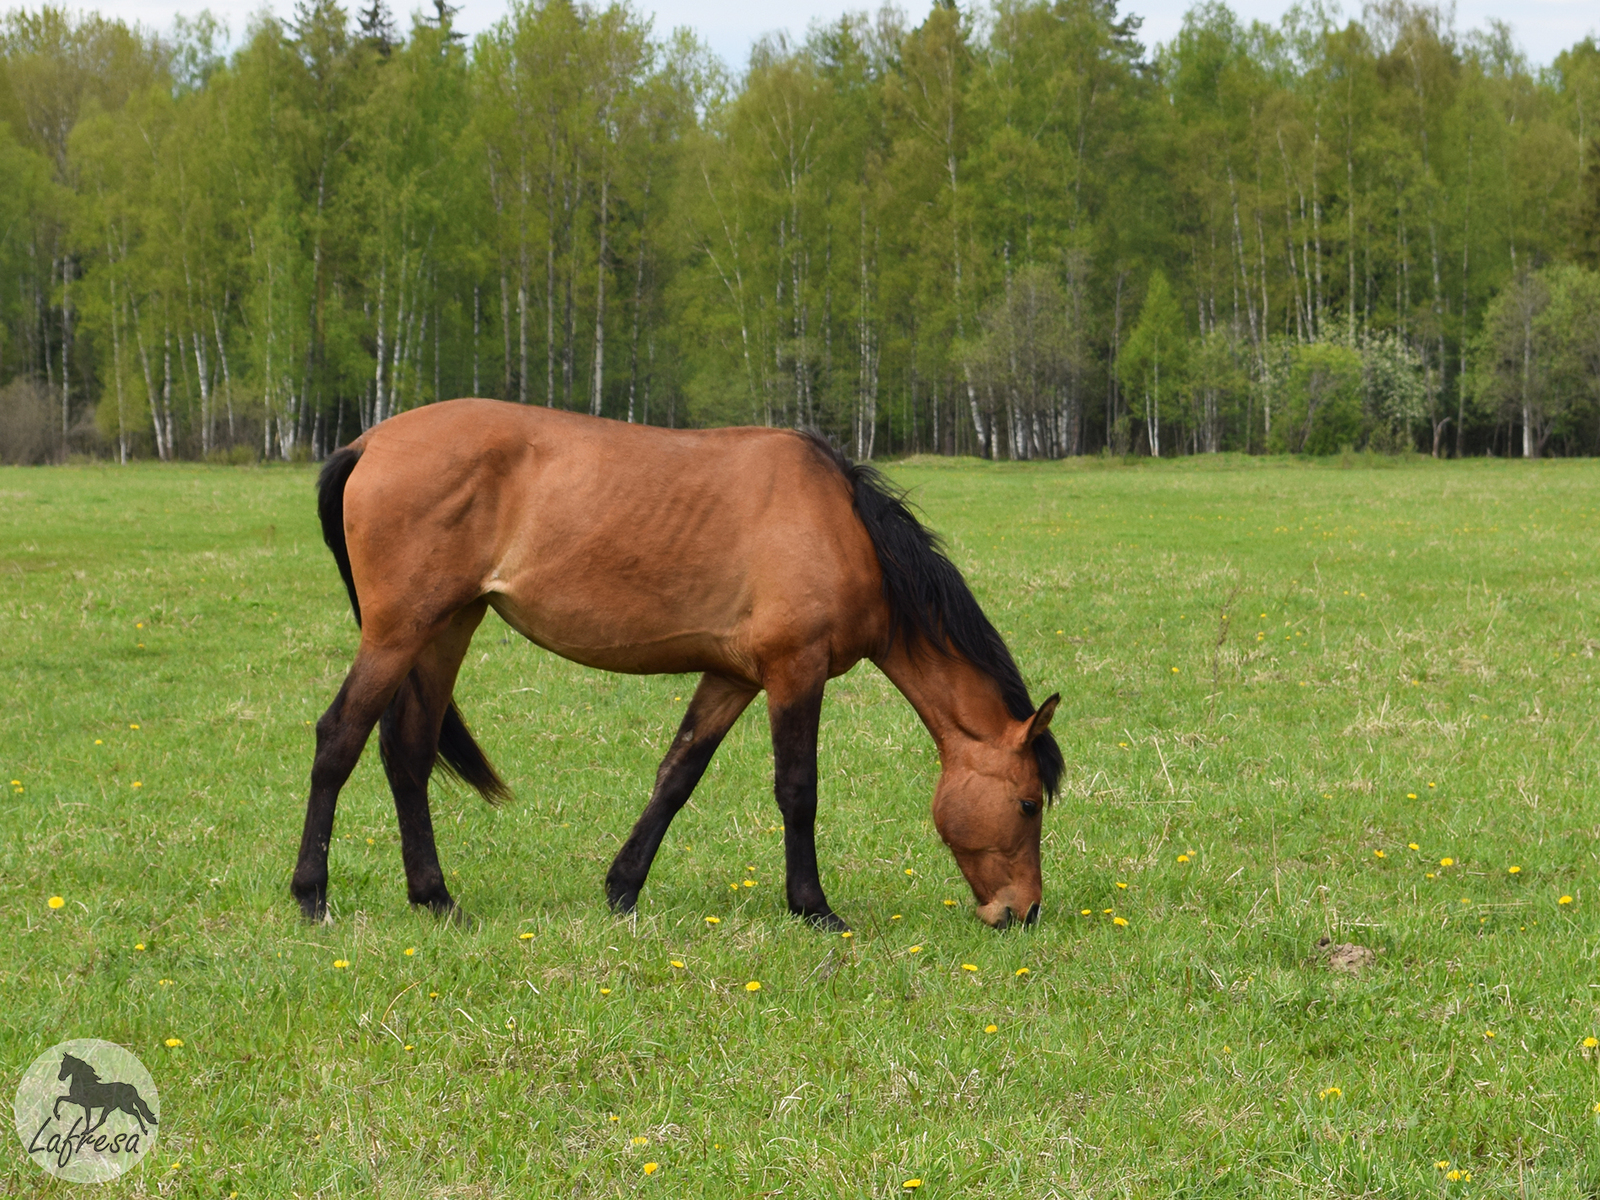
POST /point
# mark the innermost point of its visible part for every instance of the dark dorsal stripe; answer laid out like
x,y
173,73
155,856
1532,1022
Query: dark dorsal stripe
x,y
928,598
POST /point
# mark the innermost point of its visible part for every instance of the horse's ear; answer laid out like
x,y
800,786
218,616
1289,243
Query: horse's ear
x,y
1041,719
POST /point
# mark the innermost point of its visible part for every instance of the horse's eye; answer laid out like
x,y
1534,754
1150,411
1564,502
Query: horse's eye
x,y
1030,808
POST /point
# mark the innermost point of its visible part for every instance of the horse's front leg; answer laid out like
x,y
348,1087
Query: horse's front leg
x,y
716,705
795,708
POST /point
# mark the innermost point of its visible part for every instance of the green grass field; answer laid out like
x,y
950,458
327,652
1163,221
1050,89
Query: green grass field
x,y
1287,673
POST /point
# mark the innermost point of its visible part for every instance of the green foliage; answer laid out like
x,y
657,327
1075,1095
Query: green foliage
x,y
1322,409
1539,355
1431,681
344,219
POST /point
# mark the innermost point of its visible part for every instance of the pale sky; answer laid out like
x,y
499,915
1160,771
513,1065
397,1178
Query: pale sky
x,y
1543,27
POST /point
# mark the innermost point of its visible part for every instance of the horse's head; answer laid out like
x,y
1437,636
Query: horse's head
x,y
989,806
75,1066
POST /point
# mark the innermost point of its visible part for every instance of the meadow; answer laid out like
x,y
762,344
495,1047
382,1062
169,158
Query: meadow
x,y
1347,700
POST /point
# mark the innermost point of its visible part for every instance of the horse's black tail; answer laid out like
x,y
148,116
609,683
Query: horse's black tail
x,y
459,755
462,757
144,1109
330,507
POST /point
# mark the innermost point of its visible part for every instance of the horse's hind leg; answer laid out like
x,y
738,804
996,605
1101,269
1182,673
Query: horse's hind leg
x,y
408,737
341,735
716,705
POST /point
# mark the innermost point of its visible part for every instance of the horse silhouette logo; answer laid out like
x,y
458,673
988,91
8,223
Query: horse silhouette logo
x,y
100,1124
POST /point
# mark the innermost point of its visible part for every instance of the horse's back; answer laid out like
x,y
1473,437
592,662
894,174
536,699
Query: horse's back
x,y
627,547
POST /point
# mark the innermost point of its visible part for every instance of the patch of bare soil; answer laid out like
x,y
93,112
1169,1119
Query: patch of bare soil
x,y
1346,958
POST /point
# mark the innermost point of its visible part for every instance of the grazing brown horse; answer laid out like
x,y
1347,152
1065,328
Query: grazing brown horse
x,y
760,558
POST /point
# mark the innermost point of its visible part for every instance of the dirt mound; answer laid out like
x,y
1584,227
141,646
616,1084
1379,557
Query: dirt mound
x,y
1345,957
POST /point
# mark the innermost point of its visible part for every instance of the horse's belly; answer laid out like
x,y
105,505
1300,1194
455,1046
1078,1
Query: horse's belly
x,y
626,638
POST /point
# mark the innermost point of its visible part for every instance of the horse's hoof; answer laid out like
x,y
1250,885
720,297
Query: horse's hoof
x,y
828,921
446,909
314,907
623,902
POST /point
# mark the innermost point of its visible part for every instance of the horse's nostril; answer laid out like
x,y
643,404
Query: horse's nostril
x,y
1005,919
1033,914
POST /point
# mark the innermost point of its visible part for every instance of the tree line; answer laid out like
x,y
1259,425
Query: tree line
x,y
1007,230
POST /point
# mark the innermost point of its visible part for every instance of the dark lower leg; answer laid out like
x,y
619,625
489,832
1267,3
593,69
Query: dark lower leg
x,y
409,741
341,736
716,705
794,751
408,736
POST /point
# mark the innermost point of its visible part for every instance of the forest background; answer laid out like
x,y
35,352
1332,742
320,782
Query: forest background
x,y
1006,230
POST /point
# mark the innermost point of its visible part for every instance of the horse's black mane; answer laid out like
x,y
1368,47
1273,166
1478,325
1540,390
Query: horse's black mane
x,y
929,599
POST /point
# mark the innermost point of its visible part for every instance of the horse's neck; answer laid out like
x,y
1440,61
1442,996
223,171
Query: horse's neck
x,y
956,701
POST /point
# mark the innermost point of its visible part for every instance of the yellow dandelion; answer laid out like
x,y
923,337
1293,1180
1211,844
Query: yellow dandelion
x,y
909,871
896,917
1124,745
911,1185
1084,913
410,950
605,992
1119,921
848,933
991,1029
651,1168
1433,785
163,983
1021,971
1513,870
1489,1033
1442,1164
1447,862
55,902
138,945
136,783
133,727
752,986
734,886
968,967
1453,1176
1123,886
1430,875
1565,900
174,1043
1107,911
749,883
915,950
1379,854
340,964
1412,846
641,1141
524,937
409,1046
1183,858
949,903
677,964
1464,900
1411,795
614,1117
433,995
1590,1043
1174,670
713,920
1331,1093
